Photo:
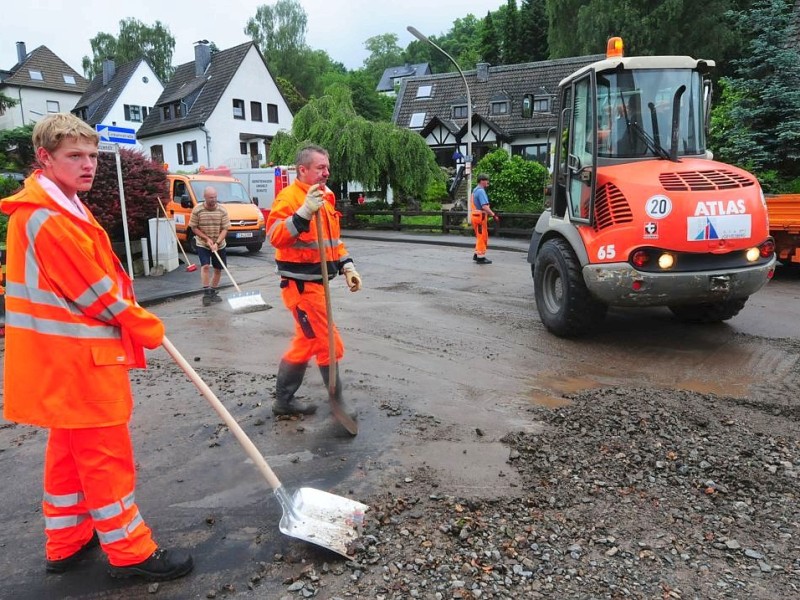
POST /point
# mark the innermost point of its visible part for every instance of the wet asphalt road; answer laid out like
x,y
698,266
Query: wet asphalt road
x,y
432,338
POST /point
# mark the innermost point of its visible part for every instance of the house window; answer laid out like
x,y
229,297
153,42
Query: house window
x,y
69,79
499,108
133,113
417,119
238,109
272,113
187,153
527,106
424,91
36,75
255,111
177,110
460,112
537,152
541,105
243,147
167,112
52,106
157,154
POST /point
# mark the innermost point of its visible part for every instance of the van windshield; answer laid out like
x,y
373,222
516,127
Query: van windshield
x,y
228,192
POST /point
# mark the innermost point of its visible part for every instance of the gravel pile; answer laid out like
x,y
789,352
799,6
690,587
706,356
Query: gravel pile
x,y
628,493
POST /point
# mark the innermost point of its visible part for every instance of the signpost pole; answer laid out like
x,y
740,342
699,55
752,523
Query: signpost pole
x,y
124,213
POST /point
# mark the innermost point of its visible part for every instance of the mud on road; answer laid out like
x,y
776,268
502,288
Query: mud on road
x,y
651,459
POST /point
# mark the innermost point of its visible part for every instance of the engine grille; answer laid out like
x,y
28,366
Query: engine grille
x,y
610,207
695,181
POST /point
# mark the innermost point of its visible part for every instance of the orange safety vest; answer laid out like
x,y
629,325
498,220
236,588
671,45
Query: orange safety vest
x,y
73,328
297,252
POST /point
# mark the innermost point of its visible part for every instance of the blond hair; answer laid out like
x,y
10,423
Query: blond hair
x,y
53,129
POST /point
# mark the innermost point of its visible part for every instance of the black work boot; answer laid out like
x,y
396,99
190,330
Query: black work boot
x,y
162,565
215,297
64,564
326,371
290,376
207,297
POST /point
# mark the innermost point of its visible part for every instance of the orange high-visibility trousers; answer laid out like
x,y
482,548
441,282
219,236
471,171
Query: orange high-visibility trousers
x,y
480,224
89,480
306,301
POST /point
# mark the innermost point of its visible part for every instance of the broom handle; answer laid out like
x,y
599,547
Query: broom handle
x,y
174,233
228,273
241,436
323,261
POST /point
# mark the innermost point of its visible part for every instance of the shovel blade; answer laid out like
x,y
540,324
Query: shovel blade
x,y
247,302
321,518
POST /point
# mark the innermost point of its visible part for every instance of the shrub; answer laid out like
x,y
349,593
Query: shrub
x,y
516,184
144,182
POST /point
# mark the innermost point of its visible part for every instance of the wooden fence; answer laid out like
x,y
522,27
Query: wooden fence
x,y
443,221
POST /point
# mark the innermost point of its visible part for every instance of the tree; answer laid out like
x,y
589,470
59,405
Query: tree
x,y
135,40
383,54
144,180
16,149
367,101
533,30
511,38
758,123
6,103
374,154
490,43
517,184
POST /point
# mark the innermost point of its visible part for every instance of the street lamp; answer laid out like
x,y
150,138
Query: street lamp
x,y
468,159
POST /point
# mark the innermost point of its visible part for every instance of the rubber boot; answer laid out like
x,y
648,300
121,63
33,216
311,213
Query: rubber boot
x,y
290,376
326,371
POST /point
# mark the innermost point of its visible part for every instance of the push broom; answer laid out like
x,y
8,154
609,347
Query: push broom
x,y
190,266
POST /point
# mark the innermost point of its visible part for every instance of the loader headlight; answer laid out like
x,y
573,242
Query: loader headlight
x,y
666,261
753,254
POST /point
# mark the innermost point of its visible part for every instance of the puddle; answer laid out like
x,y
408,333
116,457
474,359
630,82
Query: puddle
x,y
548,401
551,388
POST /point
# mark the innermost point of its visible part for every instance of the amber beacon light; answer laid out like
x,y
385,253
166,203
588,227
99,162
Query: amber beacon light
x,y
615,48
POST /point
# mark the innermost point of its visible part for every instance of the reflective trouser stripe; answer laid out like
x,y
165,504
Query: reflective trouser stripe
x,y
63,522
310,325
63,500
115,535
114,509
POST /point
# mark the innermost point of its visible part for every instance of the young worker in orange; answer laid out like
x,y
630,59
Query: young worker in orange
x,y
294,237
73,330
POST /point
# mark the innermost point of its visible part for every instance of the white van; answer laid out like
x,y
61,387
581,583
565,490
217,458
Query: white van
x,y
264,184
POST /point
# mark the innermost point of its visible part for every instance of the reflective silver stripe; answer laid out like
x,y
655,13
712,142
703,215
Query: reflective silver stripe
x,y
114,509
52,327
115,535
301,276
306,245
63,500
289,225
93,293
37,296
63,522
32,229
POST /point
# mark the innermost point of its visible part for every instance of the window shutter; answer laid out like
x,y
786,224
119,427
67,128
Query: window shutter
x,y
194,151
127,112
180,154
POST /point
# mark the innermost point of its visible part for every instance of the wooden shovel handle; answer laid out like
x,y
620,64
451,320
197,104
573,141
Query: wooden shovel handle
x,y
323,261
241,436
228,273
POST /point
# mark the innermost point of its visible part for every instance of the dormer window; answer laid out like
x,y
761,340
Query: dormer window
x,y
460,111
417,120
167,112
36,75
425,91
499,108
527,106
70,79
541,105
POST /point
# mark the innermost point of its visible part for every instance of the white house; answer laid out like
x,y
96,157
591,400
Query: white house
x,y
40,83
222,109
122,96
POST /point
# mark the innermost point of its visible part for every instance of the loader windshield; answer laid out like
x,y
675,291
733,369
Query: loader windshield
x,y
650,113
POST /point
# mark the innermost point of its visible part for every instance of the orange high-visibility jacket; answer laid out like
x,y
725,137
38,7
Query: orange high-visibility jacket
x,y
296,251
73,328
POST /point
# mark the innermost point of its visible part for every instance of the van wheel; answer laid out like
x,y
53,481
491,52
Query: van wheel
x,y
708,312
254,247
564,303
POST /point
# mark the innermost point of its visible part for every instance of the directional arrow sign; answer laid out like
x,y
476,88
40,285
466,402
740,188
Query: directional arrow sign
x,y
120,135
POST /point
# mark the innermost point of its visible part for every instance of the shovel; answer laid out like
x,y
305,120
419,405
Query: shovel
x,y
311,515
242,302
337,409
190,266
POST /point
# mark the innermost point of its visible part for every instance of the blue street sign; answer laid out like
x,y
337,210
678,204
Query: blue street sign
x,y
120,135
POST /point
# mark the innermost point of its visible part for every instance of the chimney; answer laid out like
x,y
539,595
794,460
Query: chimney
x,y
202,57
482,71
109,69
22,53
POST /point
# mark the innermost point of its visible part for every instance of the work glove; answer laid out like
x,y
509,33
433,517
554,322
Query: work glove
x,y
352,277
314,201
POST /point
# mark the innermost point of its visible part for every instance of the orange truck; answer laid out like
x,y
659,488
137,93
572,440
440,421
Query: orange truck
x,y
639,214
247,221
784,226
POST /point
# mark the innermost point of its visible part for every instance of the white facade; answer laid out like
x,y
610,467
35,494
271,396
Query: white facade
x,y
188,139
142,91
33,104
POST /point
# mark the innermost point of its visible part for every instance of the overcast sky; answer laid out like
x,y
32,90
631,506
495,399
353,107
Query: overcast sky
x,y
340,27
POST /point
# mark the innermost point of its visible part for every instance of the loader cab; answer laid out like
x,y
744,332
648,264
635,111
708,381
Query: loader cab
x,y
621,110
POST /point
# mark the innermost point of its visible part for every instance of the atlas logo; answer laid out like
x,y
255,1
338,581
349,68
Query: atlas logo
x,y
720,207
